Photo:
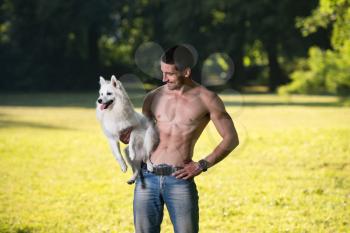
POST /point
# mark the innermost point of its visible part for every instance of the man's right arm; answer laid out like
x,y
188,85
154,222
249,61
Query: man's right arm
x,y
147,104
146,110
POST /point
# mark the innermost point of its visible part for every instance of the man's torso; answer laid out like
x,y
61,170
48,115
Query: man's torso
x,y
180,119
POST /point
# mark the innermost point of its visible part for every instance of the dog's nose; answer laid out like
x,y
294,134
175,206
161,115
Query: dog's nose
x,y
99,101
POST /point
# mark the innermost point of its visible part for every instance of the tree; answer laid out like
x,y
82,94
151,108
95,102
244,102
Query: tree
x,y
54,44
273,23
325,71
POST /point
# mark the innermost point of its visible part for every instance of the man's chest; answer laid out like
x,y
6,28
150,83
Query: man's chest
x,y
181,110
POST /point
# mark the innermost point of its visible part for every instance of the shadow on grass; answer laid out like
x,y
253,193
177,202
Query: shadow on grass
x,y
279,104
83,100
274,100
24,230
7,229
88,100
21,124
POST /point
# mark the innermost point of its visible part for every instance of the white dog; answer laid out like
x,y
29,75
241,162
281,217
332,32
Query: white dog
x,y
116,112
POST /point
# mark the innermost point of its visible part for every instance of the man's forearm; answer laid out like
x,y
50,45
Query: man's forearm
x,y
221,151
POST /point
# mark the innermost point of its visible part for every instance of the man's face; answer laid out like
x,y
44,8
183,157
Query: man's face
x,y
171,76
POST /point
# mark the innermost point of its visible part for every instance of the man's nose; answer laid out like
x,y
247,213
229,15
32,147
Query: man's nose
x,y
165,78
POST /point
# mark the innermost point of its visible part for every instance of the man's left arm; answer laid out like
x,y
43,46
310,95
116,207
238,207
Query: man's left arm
x,y
225,127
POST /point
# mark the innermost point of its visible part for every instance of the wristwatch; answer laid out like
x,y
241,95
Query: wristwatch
x,y
203,165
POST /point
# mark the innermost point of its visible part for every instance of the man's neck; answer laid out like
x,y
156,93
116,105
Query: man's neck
x,y
187,86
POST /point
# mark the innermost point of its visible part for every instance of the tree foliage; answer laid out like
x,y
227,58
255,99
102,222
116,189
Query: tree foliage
x,y
325,71
61,45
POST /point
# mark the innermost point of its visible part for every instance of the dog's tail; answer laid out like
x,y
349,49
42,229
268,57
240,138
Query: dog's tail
x,y
151,139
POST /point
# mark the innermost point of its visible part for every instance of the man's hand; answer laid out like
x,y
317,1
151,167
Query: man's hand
x,y
189,171
124,135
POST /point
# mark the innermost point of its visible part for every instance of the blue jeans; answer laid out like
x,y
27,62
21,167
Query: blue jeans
x,y
180,197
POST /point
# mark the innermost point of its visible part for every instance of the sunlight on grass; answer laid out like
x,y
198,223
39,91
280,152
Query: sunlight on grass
x,y
289,174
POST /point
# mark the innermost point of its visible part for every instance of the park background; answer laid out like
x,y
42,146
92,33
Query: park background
x,y
282,69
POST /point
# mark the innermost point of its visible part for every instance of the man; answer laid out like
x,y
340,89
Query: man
x,y
181,109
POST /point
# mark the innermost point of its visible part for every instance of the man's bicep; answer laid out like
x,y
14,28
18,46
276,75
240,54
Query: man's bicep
x,y
219,116
225,127
146,107
217,109
223,123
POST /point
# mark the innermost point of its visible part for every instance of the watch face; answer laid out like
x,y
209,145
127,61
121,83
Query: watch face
x,y
203,164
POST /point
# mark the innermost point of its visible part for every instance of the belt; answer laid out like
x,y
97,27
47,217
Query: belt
x,y
162,169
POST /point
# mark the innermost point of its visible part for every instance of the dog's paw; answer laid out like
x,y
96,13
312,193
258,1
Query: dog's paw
x,y
131,181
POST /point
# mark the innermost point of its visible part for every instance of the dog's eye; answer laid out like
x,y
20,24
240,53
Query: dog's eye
x,y
109,93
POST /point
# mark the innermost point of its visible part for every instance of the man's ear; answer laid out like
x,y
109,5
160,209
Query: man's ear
x,y
114,81
187,72
102,81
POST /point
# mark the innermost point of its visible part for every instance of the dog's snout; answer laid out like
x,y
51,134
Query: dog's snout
x,y
99,101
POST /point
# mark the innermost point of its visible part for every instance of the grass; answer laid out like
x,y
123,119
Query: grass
x,y
289,174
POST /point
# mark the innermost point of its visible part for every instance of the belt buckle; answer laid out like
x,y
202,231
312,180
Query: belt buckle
x,y
169,171
163,170
159,171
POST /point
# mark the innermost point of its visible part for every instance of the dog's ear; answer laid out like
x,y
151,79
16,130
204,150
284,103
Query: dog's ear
x,y
102,81
115,77
114,82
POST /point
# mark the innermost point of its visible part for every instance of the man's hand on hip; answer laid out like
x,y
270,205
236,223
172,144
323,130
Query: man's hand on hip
x,y
189,171
124,135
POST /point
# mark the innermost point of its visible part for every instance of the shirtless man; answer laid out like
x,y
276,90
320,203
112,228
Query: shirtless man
x,y
181,109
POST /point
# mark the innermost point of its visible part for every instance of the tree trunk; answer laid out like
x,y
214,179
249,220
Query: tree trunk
x,y
93,51
93,68
237,78
276,76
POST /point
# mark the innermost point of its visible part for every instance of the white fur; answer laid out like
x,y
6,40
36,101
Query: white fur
x,y
119,115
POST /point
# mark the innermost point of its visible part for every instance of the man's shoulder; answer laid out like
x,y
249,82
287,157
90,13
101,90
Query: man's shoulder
x,y
206,94
151,94
211,100
158,90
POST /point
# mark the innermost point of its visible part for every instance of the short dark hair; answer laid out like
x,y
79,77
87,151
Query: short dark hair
x,y
180,56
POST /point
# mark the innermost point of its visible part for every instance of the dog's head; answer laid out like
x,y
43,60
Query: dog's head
x,y
109,91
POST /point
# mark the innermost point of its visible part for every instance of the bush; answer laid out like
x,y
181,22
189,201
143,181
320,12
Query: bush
x,y
323,72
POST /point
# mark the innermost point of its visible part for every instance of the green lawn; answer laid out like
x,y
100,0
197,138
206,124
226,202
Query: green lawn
x,y
289,174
